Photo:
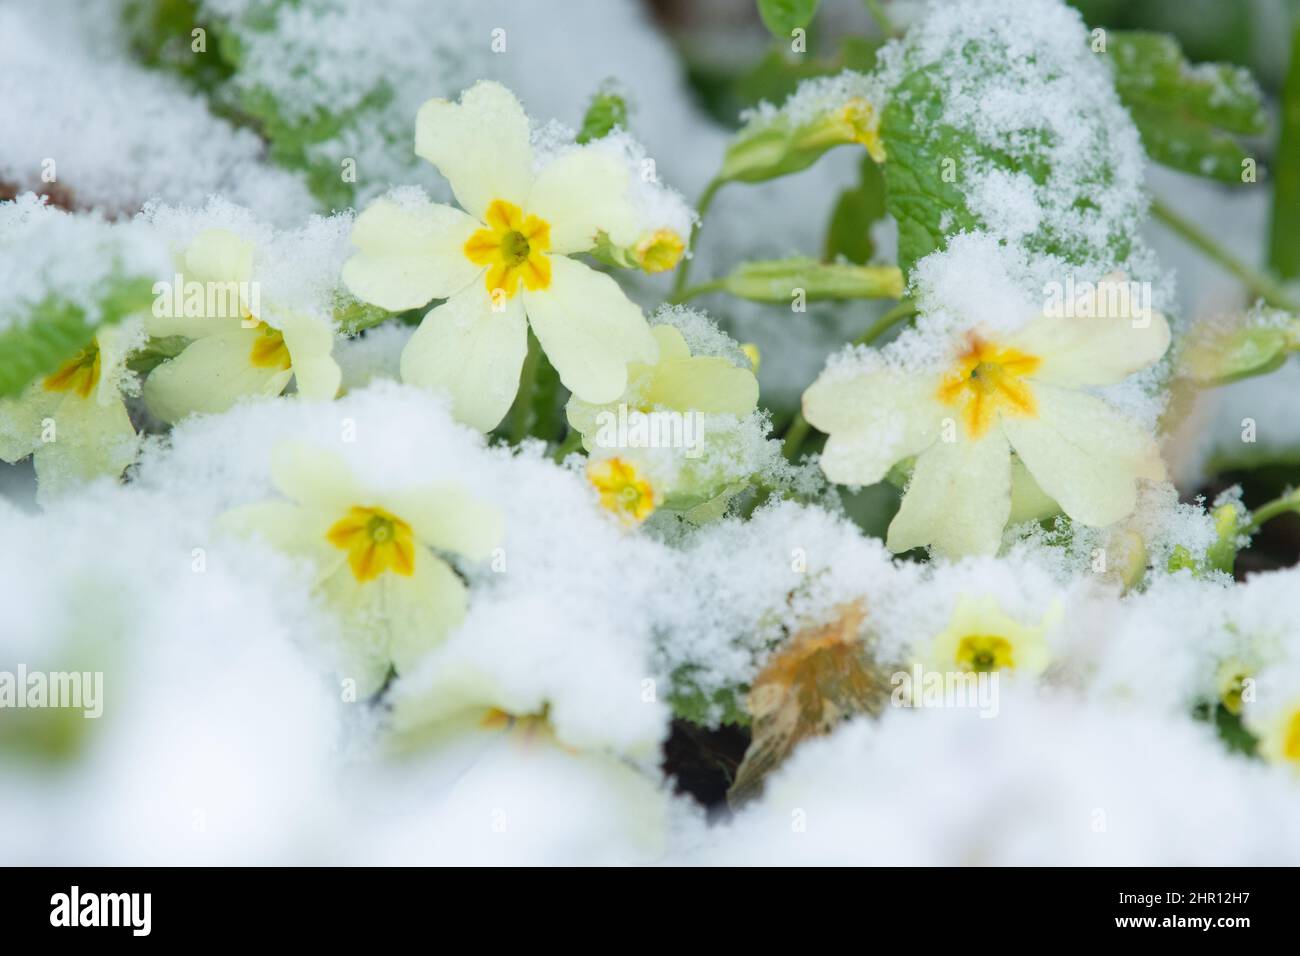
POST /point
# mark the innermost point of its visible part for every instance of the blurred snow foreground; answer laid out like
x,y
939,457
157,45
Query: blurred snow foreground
x,y
360,630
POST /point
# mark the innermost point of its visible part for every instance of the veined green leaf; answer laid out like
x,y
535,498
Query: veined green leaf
x,y
1190,117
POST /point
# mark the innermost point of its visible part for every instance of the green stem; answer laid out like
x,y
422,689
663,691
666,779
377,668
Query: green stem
x,y
799,427
877,11
795,435
1284,226
1289,502
571,443
521,412
701,209
904,310
717,285
1260,284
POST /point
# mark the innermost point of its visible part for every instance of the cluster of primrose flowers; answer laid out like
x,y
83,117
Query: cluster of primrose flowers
x,y
1006,428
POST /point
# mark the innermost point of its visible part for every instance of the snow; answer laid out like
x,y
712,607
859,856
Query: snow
x,y
534,732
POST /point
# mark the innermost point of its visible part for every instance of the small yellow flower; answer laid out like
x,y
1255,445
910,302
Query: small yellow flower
x,y
980,638
376,541
1278,733
390,620
232,351
517,231
660,251
74,422
513,247
622,490
1000,412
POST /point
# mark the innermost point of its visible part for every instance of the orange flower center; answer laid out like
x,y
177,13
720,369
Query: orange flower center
x,y
987,381
376,541
79,375
513,248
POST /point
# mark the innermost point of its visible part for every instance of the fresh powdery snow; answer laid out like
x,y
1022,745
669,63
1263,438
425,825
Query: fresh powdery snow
x,y
315,617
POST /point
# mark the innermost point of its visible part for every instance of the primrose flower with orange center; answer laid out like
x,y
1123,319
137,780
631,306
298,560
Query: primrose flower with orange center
x,y
981,638
1278,730
1007,410
503,265
73,421
375,553
232,351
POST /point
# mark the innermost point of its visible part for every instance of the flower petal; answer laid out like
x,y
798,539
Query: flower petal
x,y
310,342
1092,351
21,418
958,500
218,255
91,441
316,478
589,329
424,608
446,516
707,384
1084,454
473,353
580,194
210,376
479,144
286,527
409,253
874,420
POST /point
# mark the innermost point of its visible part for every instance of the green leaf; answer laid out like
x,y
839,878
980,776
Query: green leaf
x,y
783,17
1190,117
57,329
778,280
849,233
921,185
606,111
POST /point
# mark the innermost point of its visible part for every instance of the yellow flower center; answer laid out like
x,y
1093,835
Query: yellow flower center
x,y
988,380
622,490
1291,745
376,541
269,350
80,374
660,251
983,653
513,248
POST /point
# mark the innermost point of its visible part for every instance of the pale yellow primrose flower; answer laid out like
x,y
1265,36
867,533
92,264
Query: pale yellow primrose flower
x,y
1023,392
675,381
980,638
503,265
232,356
73,421
1278,733
374,553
